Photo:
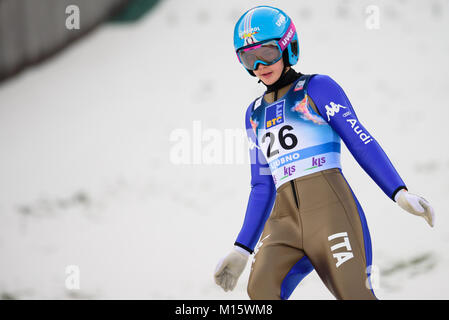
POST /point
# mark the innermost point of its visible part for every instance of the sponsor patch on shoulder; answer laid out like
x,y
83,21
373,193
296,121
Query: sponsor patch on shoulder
x,y
299,85
258,103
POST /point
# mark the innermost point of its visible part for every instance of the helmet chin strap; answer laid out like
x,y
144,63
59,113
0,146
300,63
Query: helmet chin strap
x,y
279,83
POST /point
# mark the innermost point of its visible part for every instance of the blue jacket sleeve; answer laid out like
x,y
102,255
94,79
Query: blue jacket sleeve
x,y
262,195
334,106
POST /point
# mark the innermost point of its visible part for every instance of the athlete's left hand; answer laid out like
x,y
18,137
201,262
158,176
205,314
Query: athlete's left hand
x,y
230,268
415,205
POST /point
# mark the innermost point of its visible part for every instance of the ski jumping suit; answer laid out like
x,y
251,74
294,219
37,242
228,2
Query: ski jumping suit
x,y
316,222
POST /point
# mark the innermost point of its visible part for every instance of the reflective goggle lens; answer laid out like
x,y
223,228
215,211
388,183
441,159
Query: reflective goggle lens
x,y
266,53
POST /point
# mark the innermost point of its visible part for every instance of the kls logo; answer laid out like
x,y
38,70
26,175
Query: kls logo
x,y
344,256
333,109
288,171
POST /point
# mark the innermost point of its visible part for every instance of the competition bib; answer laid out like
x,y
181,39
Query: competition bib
x,y
295,140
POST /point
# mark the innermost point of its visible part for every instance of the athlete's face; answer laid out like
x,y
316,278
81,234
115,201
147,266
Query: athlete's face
x,y
269,74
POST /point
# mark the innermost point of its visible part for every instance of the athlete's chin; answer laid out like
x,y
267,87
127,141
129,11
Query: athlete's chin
x,y
267,78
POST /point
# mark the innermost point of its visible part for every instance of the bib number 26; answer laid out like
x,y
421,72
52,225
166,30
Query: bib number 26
x,y
286,140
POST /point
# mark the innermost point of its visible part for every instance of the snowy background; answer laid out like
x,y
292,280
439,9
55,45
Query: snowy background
x,y
87,176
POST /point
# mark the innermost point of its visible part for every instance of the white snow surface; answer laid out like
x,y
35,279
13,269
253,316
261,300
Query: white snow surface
x,y
86,176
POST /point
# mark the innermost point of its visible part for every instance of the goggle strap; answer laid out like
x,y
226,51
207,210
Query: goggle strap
x,y
288,36
253,47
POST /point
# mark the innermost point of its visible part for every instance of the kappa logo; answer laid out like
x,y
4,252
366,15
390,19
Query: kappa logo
x,y
252,144
257,248
333,109
260,244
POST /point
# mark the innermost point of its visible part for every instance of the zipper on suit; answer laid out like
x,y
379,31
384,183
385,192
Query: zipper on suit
x,y
292,183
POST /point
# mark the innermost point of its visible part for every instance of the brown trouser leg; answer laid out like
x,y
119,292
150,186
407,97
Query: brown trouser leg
x,y
325,227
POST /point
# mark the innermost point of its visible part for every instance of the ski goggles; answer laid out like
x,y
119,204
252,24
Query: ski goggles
x,y
266,53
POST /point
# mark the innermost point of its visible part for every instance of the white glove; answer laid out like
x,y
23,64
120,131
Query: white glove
x,y
230,268
415,205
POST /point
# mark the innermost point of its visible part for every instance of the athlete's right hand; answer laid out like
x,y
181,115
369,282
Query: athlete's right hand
x,y
230,268
416,205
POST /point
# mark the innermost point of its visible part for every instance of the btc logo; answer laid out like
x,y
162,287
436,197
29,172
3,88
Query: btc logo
x,y
274,114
